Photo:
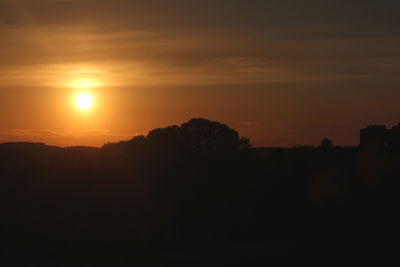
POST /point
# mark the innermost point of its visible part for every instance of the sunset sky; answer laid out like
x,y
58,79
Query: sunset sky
x,y
281,72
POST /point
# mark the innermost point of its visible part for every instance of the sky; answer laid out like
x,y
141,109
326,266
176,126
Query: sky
x,y
281,72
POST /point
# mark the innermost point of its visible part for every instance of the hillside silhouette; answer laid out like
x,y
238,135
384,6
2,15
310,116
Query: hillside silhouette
x,y
196,194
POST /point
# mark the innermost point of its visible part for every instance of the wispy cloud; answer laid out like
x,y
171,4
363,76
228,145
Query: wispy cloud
x,y
95,137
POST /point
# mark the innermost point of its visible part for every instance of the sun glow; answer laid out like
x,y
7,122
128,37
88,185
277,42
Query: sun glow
x,y
84,101
84,83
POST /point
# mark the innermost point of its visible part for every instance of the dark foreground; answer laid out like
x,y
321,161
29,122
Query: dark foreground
x,y
192,200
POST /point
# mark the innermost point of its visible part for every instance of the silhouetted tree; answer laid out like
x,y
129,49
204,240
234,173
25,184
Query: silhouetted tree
x,y
136,143
211,136
326,143
196,135
245,143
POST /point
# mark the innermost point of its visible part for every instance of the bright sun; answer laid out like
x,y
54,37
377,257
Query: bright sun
x,y
84,101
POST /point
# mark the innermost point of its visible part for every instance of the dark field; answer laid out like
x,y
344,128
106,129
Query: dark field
x,y
196,195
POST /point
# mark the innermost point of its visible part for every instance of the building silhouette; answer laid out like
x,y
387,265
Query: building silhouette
x,y
378,137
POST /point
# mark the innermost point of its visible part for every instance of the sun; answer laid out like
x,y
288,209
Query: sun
x,y
84,101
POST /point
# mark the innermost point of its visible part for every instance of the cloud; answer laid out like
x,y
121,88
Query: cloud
x,y
94,137
191,42
51,133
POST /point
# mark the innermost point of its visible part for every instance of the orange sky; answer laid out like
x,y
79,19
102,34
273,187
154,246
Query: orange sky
x,y
280,72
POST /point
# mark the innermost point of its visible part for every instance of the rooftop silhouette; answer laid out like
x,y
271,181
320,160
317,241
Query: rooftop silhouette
x,y
379,137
